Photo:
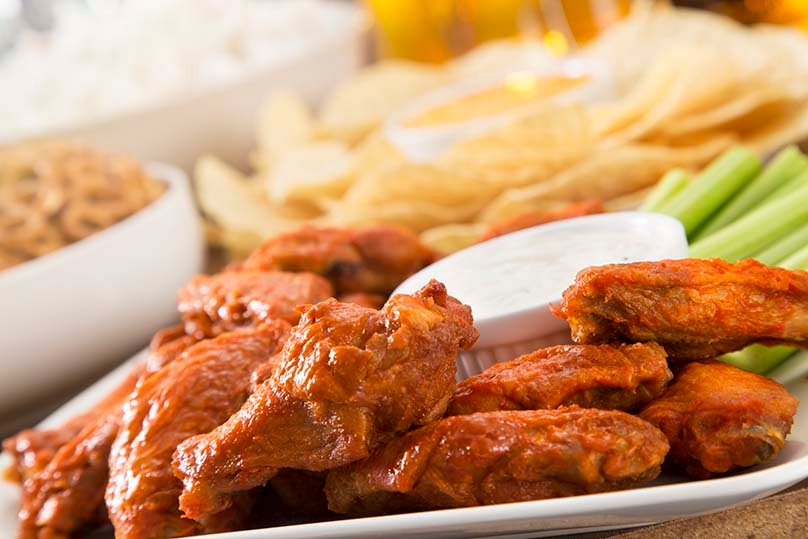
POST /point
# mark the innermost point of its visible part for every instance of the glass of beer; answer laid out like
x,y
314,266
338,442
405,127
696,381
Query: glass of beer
x,y
437,30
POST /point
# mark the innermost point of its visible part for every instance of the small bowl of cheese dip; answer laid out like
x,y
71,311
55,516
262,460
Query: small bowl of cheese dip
x,y
431,124
511,280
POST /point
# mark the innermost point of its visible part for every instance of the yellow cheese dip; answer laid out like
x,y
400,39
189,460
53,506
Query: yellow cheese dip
x,y
518,90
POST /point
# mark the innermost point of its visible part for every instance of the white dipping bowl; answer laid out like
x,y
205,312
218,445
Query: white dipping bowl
x,y
75,312
511,281
423,144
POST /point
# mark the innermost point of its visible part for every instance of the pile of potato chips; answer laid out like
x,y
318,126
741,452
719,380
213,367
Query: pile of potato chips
x,y
690,85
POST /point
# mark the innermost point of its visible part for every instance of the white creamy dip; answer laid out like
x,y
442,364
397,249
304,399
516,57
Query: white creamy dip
x,y
510,281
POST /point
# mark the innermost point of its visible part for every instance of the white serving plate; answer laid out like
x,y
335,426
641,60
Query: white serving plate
x,y
667,498
69,316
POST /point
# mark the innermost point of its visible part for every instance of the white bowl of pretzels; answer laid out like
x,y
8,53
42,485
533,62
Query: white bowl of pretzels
x,y
70,314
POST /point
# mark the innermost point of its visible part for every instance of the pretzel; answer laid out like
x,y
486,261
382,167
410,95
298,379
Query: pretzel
x,y
53,193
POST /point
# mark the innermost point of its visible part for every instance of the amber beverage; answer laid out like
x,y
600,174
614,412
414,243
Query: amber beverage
x,y
437,30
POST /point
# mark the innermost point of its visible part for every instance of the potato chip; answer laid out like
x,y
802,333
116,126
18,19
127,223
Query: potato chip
x,y
606,174
284,122
452,237
311,172
418,215
526,151
376,152
362,103
235,203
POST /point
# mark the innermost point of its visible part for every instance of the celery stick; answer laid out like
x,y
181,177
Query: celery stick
x,y
798,260
787,188
782,248
716,184
671,184
788,163
758,358
752,232
792,369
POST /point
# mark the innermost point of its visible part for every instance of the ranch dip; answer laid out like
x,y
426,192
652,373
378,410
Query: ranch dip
x,y
509,281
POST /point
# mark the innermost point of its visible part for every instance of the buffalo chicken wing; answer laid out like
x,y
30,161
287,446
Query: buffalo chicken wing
x,y
371,260
194,394
593,376
719,418
696,309
349,379
496,457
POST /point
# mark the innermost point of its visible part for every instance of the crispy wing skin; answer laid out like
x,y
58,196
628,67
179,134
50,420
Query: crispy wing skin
x,y
65,497
212,305
194,394
372,260
696,309
719,418
349,378
603,376
500,457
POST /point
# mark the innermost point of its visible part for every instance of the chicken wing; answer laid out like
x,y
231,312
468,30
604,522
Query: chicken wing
x,y
719,418
32,449
194,394
498,457
696,309
212,305
66,496
372,260
349,378
593,376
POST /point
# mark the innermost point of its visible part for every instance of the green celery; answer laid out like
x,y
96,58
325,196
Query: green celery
x,y
782,248
787,164
665,190
787,188
716,184
798,260
758,358
753,232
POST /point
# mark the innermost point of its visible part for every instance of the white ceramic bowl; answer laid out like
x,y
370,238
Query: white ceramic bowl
x,y
223,120
78,310
510,281
428,143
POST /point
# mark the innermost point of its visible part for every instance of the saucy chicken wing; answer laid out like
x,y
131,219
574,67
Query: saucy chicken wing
x,y
32,449
719,418
498,457
696,309
212,305
593,376
372,260
348,379
194,394
66,496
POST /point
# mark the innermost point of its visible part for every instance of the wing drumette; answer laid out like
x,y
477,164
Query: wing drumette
x,y
718,418
499,457
194,394
372,260
696,309
349,378
212,305
593,376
